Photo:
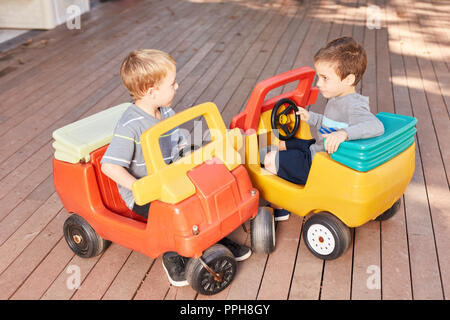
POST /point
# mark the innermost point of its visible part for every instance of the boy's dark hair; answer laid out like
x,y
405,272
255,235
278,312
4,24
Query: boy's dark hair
x,y
348,56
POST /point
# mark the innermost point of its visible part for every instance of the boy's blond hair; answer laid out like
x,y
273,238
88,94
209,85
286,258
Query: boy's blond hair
x,y
143,69
347,56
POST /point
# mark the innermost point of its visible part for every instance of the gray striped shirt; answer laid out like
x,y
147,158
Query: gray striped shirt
x,y
125,147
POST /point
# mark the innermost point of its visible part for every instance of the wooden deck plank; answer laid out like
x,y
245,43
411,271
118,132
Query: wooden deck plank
x,y
336,277
182,69
45,273
431,64
31,55
280,265
434,171
395,269
27,232
207,78
21,213
181,293
66,284
307,277
49,112
22,188
103,273
161,291
249,275
73,58
155,286
80,43
366,247
129,277
213,30
437,174
260,53
426,282
202,74
87,105
366,281
222,51
433,18
101,56
18,271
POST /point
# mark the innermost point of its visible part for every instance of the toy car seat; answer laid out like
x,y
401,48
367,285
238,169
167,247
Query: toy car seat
x,y
108,189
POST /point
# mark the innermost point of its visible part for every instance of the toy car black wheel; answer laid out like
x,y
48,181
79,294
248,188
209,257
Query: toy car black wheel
x,y
82,238
280,120
389,213
326,236
262,231
213,272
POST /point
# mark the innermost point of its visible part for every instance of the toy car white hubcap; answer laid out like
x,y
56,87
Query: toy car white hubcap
x,y
77,238
321,239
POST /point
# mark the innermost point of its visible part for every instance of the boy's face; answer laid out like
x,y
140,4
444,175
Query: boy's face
x,y
329,82
165,91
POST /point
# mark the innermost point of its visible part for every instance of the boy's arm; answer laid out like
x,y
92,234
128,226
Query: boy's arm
x,y
314,119
119,174
363,124
333,140
311,118
182,140
118,157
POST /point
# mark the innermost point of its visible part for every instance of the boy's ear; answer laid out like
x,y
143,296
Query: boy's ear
x,y
150,91
350,79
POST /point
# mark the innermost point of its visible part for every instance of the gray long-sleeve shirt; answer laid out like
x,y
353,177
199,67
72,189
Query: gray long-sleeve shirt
x,y
125,148
350,113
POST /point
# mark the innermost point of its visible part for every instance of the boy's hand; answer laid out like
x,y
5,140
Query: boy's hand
x,y
303,113
333,140
282,145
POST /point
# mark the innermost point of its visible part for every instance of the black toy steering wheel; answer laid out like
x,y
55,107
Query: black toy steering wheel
x,y
280,120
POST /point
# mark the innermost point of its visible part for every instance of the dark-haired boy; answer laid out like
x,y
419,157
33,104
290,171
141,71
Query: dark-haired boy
x,y
339,65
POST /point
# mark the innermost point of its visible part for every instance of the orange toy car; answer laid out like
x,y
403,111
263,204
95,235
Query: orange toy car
x,y
196,200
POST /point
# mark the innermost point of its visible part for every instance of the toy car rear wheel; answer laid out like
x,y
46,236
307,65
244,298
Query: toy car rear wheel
x,y
389,213
82,238
262,231
326,236
219,260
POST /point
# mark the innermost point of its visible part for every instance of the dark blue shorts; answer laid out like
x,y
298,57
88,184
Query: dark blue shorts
x,y
294,163
142,210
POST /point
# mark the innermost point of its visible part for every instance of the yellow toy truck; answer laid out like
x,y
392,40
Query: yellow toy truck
x,y
362,181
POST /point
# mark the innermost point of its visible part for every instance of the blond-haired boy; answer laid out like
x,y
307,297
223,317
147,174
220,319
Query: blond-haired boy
x,y
150,77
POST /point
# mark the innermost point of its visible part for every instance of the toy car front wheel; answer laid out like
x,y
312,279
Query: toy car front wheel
x,y
262,231
82,238
213,272
326,236
389,213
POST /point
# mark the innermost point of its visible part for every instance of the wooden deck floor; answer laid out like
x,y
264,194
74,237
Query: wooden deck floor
x,y
223,48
